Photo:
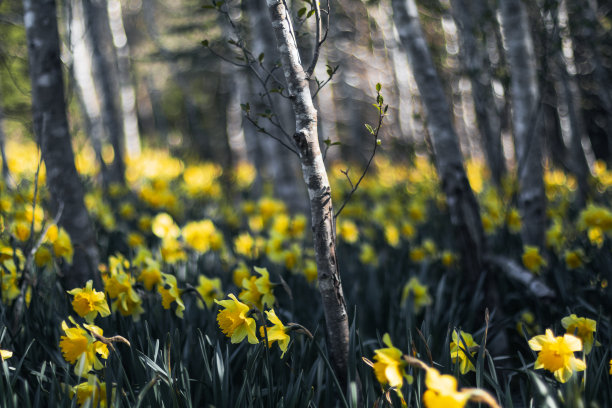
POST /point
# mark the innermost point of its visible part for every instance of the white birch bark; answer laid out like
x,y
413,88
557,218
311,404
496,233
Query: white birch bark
x,y
462,205
527,140
319,191
126,85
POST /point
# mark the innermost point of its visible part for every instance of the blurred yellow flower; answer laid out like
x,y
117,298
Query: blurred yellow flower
x,y
462,343
5,354
555,237
581,327
43,256
448,258
418,254
574,259
442,391
276,333
418,292
233,320
91,393
240,273
348,231
150,275
199,235
88,302
163,226
367,255
389,367
532,259
21,230
595,216
310,270
556,354
209,289
392,235
244,245
596,236
62,246
172,251
171,293
513,220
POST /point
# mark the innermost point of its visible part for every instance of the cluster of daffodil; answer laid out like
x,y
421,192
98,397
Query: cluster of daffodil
x,y
391,370
26,229
85,346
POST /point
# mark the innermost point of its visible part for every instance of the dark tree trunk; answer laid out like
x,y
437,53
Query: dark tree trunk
x,y
468,14
525,103
51,129
104,68
462,205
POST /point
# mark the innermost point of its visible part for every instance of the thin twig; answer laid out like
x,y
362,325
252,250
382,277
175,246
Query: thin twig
x,y
318,42
381,115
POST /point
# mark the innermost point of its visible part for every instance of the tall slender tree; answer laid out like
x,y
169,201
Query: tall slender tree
x,y
467,15
319,191
462,204
51,130
527,139
105,72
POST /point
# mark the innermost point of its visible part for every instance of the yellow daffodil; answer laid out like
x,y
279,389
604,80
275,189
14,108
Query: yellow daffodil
x,y
513,219
91,393
163,226
88,302
233,320
418,254
555,237
367,255
348,231
240,273
172,251
581,327
119,288
462,343
276,333
442,391
389,367
595,216
244,245
150,275
258,290
419,293
209,289
556,354
80,348
5,355
310,270
43,256
574,259
171,293
532,259
62,246
200,235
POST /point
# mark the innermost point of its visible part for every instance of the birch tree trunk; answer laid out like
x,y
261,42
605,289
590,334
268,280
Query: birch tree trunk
x,y
319,191
51,129
466,14
104,69
126,85
462,205
527,139
85,86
